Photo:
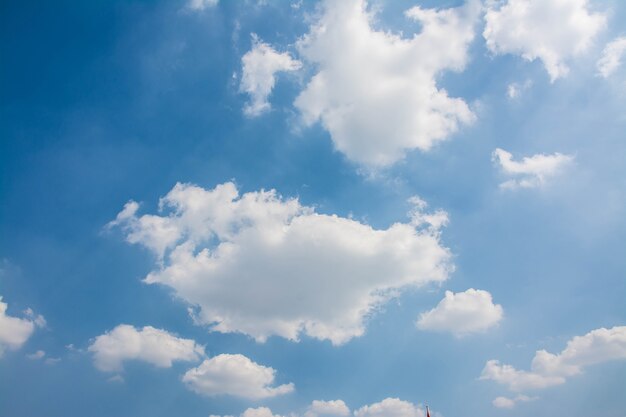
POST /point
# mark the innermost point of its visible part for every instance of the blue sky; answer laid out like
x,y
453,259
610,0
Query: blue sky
x,y
447,226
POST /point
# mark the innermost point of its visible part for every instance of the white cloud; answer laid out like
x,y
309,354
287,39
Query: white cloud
x,y
532,171
550,30
36,355
327,408
612,57
505,402
263,265
515,90
260,66
14,331
199,5
234,375
390,407
155,346
547,369
462,313
375,91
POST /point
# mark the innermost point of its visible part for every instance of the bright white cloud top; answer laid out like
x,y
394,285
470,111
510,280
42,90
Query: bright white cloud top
x,y
234,375
15,331
327,408
612,56
550,30
389,407
472,311
532,171
547,369
263,265
260,66
375,91
154,346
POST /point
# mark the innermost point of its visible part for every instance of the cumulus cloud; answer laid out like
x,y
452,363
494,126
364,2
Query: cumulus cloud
x,y
154,346
532,171
376,92
262,265
550,30
15,331
327,408
505,402
462,313
199,5
612,57
260,66
234,375
547,369
389,407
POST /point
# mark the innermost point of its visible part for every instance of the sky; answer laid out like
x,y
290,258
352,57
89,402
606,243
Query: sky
x,y
344,208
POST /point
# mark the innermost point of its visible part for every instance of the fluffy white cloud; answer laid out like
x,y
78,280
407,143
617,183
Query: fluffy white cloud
x,y
263,265
375,91
612,57
462,313
199,5
390,407
155,346
547,369
234,375
505,402
327,408
260,66
14,331
532,171
550,30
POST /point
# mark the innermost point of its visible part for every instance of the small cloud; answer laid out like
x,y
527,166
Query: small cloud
x,y
234,375
37,355
472,311
612,56
515,90
116,378
505,402
552,31
15,331
200,5
52,361
157,347
548,369
260,66
532,171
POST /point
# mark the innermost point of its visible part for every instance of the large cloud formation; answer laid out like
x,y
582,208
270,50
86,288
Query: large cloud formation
x,y
263,265
234,375
155,346
548,369
15,331
550,30
376,92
